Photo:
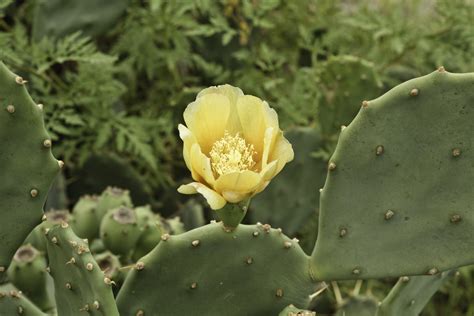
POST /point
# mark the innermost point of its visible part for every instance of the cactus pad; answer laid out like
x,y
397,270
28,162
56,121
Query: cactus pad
x,y
13,302
28,273
398,197
119,230
86,222
252,270
27,165
80,286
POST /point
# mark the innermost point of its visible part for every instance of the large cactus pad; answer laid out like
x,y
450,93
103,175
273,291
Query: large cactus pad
x,y
27,167
399,195
252,270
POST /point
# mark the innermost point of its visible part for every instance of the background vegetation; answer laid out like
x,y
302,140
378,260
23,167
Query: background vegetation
x,y
115,77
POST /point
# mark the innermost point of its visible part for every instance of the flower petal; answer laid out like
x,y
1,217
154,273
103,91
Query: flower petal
x,y
282,152
233,93
226,89
206,118
202,164
236,186
268,143
235,197
269,171
256,116
215,200
189,140
267,174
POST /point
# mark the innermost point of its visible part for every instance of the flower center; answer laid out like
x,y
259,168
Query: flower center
x,y
231,154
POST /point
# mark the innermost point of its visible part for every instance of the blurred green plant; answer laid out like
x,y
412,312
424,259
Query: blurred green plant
x,y
124,90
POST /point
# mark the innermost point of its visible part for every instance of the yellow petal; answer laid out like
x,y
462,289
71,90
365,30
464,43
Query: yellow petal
x,y
268,143
282,152
235,197
269,171
261,187
202,164
256,116
267,174
206,118
238,185
215,200
189,140
233,125
226,89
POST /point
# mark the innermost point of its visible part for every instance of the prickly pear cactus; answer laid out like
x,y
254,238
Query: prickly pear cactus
x,y
110,266
86,222
112,198
398,196
252,270
53,217
28,273
151,229
57,197
13,302
80,285
119,230
27,164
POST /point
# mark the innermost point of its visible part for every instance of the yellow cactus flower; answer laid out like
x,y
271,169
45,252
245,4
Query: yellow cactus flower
x,y
233,145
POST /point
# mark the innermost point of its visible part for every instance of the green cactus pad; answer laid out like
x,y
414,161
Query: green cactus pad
x,y
27,165
151,230
410,295
86,222
80,285
398,197
57,197
252,270
51,218
112,198
110,266
119,230
13,302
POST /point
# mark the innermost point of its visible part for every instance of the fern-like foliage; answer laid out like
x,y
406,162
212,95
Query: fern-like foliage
x,y
125,90
81,94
